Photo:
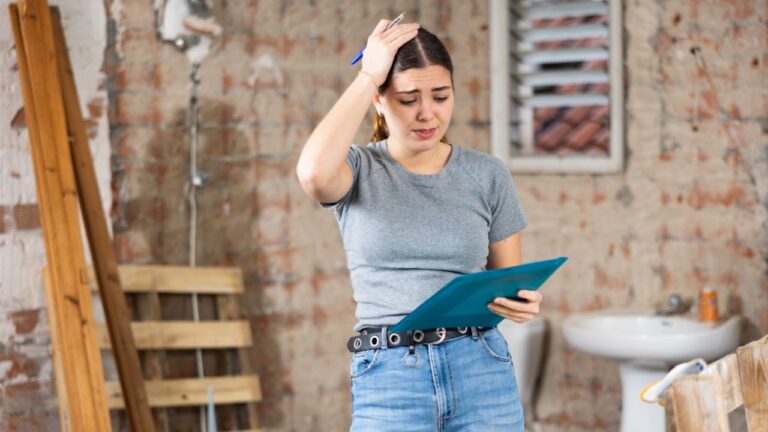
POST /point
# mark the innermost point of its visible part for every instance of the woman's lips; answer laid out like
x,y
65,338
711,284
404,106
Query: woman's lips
x,y
425,133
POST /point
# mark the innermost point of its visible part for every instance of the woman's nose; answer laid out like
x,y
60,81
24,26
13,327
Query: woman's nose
x,y
425,111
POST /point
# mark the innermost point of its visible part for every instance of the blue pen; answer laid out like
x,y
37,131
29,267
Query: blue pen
x,y
391,24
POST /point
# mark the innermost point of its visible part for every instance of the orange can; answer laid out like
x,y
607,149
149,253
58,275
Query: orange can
x,y
708,305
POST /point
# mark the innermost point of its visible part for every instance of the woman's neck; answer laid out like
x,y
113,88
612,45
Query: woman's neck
x,y
429,161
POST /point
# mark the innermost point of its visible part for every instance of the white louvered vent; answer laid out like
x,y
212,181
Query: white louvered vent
x,y
563,79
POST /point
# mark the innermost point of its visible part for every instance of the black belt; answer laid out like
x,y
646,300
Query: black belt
x,y
370,337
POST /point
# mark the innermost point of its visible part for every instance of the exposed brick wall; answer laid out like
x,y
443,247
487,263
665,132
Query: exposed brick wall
x,y
689,210
275,71
27,389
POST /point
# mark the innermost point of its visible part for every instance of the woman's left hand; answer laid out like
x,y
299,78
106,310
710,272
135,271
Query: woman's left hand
x,y
517,311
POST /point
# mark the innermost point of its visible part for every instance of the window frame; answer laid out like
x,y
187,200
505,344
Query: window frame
x,y
502,104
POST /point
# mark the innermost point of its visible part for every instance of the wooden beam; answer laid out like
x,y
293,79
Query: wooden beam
x,y
102,251
698,404
71,307
753,371
180,279
154,361
158,335
193,391
727,370
61,385
228,308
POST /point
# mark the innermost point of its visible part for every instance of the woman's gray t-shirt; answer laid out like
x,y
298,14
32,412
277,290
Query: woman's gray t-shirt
x,y
406,235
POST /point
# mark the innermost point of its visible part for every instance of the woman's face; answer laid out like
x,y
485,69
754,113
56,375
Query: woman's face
x,y
418,106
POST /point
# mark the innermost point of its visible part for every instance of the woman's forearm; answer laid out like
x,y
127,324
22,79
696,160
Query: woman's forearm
x,y
324,152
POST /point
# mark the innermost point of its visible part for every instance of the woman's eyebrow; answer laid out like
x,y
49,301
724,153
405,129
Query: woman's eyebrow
x,y
417,90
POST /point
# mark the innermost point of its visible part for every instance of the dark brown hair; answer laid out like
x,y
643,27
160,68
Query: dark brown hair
x,y
422,51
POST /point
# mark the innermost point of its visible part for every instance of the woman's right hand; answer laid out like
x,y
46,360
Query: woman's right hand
x,y
382,46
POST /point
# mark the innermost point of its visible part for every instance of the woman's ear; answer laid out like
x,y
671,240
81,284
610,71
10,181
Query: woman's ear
x,y
377,103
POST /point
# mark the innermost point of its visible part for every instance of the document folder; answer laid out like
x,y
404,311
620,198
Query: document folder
x,y
463,302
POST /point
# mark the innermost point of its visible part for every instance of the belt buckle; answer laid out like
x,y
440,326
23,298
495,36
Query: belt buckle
x,y
441,332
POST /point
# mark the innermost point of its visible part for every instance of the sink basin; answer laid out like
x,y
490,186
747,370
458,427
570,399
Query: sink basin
x,y
645,338
647,346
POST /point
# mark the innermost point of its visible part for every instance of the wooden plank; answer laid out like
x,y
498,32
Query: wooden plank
x,y
669,413
154,361
186,334
727,369
102,251
194,391
71,308
228,308
753,371
180,279
61,385
698,404
52,292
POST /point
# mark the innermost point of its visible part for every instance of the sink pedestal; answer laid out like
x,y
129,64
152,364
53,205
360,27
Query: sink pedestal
x,y
636,415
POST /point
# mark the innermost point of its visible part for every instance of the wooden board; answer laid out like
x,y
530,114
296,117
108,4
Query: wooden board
x,y
153,336
157,335
71,307
753,372
61,385
727,370
701,403
194,391
148,309
102,252
229,308
698,404
180,279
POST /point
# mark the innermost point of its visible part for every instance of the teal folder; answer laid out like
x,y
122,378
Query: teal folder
x,y
463,302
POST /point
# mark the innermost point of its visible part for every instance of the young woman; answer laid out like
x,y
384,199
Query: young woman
x,y
414,212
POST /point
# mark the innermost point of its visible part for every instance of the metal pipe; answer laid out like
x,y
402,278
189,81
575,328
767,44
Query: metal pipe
x,y
195,181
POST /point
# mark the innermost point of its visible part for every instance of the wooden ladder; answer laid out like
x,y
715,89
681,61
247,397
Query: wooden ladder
x,y
701,403
155,337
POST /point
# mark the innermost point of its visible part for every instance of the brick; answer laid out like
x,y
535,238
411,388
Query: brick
x,y
149,110
228,110
281,142
171,76
743,39
746,102
132,246
25,321
146,143
674,15
152,178
136,15
733,195
139,44
133,76
677,63
240,15
227,142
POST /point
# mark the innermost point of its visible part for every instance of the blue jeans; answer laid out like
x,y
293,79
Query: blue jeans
x,y
464,384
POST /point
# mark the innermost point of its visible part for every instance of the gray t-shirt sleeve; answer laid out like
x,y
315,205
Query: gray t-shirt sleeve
x,y
507,217
353,159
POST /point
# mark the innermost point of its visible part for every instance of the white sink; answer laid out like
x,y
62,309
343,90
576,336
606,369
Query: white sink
x,y
647,346
648,339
